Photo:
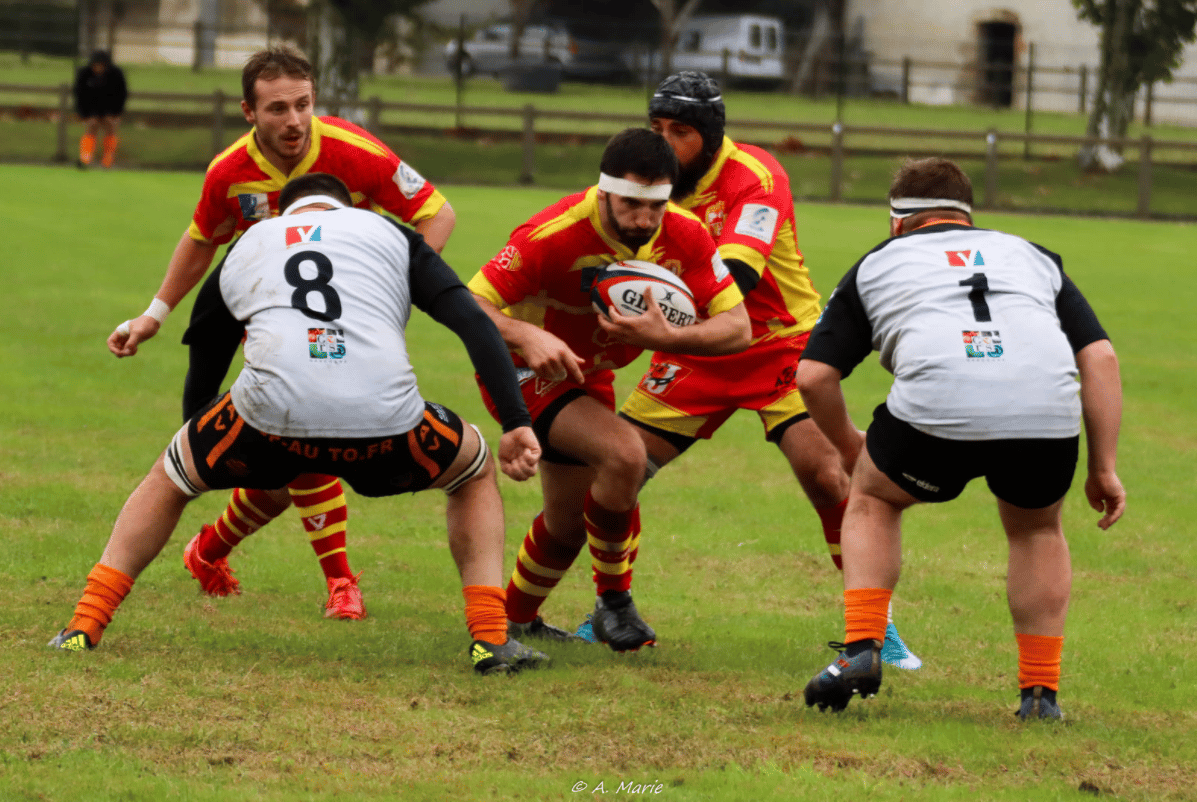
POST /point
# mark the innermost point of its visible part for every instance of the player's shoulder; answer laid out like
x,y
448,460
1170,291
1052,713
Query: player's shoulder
x,y
749,168
560,218
337,134
232,162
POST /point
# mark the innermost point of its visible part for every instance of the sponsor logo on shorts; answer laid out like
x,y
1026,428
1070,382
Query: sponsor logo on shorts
x,y
757,221
300,235
409,181
254,205
786,379
982,344
925,485
326,344
965,258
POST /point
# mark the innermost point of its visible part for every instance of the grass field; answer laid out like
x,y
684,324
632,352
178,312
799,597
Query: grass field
x,y
257,697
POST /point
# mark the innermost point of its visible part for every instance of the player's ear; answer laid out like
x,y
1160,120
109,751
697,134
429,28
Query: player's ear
x,y
248,112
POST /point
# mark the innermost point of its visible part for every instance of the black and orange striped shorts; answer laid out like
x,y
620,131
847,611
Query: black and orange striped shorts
x,y
228,453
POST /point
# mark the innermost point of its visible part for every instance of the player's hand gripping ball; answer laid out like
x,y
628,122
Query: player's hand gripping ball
x,y
621,285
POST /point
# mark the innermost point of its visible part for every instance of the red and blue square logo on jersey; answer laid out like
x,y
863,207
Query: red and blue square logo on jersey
x,y
300,235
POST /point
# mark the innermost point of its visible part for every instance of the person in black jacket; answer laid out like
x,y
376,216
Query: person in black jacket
x,y
100,94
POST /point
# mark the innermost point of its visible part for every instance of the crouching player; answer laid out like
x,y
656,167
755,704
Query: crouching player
x,y
327,387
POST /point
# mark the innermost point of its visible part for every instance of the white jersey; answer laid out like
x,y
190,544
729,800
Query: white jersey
x,y
326,297
978,327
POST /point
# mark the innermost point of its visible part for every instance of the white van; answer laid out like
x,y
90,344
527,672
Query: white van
x,y
738,46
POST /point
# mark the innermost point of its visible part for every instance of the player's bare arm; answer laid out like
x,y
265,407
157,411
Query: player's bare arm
x,y
187,266
728,332
545,353
819,384
1101,407
436,229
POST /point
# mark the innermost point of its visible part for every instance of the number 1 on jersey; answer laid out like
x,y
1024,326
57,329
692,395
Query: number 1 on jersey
x,y
980,286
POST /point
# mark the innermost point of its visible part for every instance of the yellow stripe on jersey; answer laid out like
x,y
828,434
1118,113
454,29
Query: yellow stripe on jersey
x,y
241,142
323,129
744,253
727,299
430,208
588,207
763,174
480,285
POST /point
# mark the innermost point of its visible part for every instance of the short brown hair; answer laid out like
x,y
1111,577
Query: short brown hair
x,y
273,62
314,184
931,178
641,152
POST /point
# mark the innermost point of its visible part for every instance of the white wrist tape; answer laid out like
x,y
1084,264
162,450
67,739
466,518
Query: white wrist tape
x,y
630,189
158,310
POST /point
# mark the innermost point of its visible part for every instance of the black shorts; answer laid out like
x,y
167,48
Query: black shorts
x,y
1031,473
228,453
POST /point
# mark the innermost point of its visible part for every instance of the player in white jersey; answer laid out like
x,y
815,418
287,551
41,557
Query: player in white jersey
x,y
323,294
985,336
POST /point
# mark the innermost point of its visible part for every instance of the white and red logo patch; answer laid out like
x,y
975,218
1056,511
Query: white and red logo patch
x,y
301,235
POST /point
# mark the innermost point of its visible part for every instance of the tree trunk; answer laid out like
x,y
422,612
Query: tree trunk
x,y
335,49
1114,104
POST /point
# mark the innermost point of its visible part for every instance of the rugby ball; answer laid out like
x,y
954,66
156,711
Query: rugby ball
x,y
621,285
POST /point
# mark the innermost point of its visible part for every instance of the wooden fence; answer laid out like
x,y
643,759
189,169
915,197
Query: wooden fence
x,y
221,113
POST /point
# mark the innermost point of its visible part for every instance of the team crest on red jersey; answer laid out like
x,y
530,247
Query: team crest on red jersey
x,y
254,205
661,376
713,218
508,259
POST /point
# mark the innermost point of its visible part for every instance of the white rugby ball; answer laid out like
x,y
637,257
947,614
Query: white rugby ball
x,y
621,285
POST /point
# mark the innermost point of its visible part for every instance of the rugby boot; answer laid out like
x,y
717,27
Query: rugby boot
x,y
344,599
1039,702
75,640
507,658
896,653
585,630
216,578
617,623
537,628
859,673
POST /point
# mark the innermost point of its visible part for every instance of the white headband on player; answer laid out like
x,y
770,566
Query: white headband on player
x,y
308,200
905,207
630,189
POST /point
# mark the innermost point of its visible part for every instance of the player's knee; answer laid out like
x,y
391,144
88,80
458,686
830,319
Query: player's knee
x,y
626,458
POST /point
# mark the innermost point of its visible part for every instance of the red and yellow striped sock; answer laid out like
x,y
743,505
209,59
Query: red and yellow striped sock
x,y
833,521
109,154
486,613
865,613
610,535
542,561
247,512
106,589
87,148
1039,660
320,501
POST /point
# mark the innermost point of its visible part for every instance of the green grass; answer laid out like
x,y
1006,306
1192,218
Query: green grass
x,y
258,697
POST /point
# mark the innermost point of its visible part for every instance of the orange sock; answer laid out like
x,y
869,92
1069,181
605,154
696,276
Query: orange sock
x,y
106,589
110,143
320,502
866,613
485,610
832,519
1039,660
87,148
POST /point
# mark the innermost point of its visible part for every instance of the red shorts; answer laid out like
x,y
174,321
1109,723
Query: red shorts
x,y
545,399
692,396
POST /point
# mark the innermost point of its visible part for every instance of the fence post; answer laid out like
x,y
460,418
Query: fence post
x,y
197,44
1147,103
725,66
1084,89
1026,148
991,169
905,79
64,109
374,118
837,161
217,122
528,171
1144,208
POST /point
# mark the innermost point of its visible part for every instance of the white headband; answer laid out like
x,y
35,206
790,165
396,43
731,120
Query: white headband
x,y
630,189
308,200
905,207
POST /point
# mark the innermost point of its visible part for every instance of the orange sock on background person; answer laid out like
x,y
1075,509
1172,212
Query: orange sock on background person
x,y
486,613
106,589
109,155
866,613
1039,658
87,148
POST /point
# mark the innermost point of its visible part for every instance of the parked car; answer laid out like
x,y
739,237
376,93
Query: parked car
x,y
488,52
736,46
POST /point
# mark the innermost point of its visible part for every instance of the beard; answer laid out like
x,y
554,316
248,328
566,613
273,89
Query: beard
x,y
633,238
688,178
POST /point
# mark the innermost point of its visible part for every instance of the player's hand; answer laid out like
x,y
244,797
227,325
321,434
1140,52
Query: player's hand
x,y
1106,494
519,453
123,341
551,358
649,330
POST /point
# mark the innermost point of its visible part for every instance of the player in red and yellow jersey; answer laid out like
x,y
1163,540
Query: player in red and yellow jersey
x,y
240,189
743,196
537,290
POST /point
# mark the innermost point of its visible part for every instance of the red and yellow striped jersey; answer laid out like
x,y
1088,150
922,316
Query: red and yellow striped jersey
x,y
745,201
241,186
542,276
